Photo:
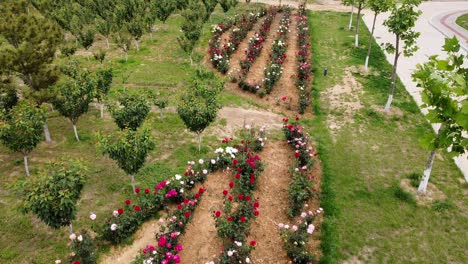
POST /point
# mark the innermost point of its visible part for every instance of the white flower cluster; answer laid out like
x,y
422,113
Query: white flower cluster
x,y
280,43
216,28
229,151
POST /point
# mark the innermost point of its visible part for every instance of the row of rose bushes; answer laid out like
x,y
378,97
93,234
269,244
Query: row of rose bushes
x,y
303,60
301,190
241,25
274,68
256,46
239,206
168,246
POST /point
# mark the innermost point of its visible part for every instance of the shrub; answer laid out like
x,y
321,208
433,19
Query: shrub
x,y
83,248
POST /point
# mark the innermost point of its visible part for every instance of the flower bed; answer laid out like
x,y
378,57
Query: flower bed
x,y
303,60
301,186
296,237
168,246
241,26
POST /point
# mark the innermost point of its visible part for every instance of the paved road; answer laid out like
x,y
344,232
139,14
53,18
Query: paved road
x,y
431,24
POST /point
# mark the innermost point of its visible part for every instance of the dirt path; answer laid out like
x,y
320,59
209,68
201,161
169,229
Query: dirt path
x,y
273,195
286,85
125,255
239,54
200,241
256,73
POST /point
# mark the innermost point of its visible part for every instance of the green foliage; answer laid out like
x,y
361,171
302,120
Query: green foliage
x,y
198,108
86,37
31,43
401,23
53,195
67,49
380,6
296,242
192,26
163,9
100,55
75,93
130,14
21,128
84,248
403,195
443,205
8,94
103,80
129,149
131,111
414,178
444,84
227,4
210,6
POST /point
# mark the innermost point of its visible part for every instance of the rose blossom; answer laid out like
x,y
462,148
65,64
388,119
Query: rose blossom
x,y
58,261
92,216
201,161
280,225
80,238
294,228
205,171
303,214
73,236
113,227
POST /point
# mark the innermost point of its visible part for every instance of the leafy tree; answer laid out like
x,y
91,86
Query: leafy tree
x,y
227,4
103,80
29,50
445,89
361,4
130,14
86,37
192,26
53,195
104,27
129,150
163,9
378,6
131,111
210,6
199,107
161,103
401,22
124,42
181,4
21,129
8,95
100,55
104,21
74,95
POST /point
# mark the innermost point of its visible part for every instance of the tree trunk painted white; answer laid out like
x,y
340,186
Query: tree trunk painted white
x,y
199,142
76,132
47,133
356,34
370,42
395,64
160,113
107,43
101,109
126,56
133,183
427,173
137,45
351,17
191,60
26,167
70,228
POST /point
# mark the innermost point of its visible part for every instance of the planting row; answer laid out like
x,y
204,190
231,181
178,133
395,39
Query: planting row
x,y
274,68
303,60
242,24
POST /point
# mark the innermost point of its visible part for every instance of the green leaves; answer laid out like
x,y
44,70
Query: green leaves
x,y
192,26
103,80
444,83
132,111
53,195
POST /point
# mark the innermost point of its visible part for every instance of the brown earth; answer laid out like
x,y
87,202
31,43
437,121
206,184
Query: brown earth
x,y
273,198
200,241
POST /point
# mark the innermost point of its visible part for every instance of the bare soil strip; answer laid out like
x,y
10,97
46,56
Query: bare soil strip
x,y
273,197
256,73
286,85
200,241
239,54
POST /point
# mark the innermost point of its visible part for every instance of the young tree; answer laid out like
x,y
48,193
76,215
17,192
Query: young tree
x,y
210,6
378,6
351,3
75,95
8,95
361,5
129,150
401,22
85,37
21,129
103,80
100,55
161,103
130,14
104,27
53,195
227,4
192,26
29,50
199,107
124,42
163,9
131,111
445,93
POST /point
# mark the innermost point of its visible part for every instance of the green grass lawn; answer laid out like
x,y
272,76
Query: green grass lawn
x,y
365,160
462,21
160,66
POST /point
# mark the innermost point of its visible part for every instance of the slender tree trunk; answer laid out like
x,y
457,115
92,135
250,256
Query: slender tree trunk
x,y
199,142
70,228
356,35
370,43
47,133
26,166
428,168
133,183
137,44
101,108
76,133
160,113
107,43
191,60
351,17
126,56
392,87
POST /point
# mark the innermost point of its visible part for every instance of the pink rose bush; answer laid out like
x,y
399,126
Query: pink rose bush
x,y
301,187
297,236
303,60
